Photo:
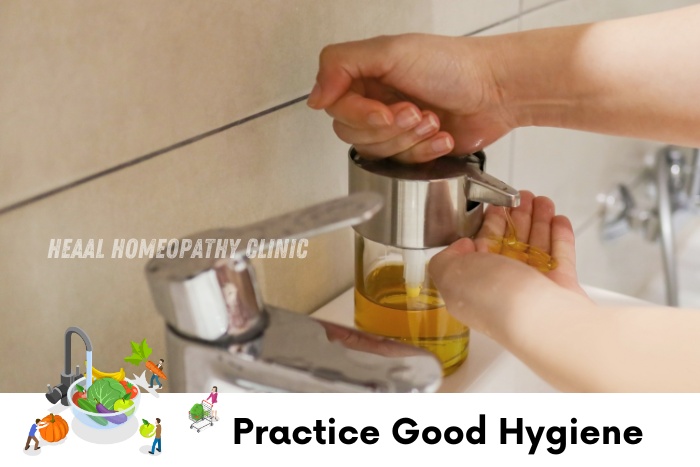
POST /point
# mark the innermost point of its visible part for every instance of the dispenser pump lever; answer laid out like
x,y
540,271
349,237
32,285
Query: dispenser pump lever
x,y
484,188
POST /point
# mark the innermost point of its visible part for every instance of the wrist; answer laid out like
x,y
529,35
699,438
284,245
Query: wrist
x,y
534,317
534,76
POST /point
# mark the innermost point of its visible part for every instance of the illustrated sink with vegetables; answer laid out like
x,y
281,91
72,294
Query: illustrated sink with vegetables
x,y
107,404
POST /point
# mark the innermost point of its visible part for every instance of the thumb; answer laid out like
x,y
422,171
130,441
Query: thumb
x,y
341,64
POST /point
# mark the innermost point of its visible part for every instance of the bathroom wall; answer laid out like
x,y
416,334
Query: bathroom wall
x,y
159,119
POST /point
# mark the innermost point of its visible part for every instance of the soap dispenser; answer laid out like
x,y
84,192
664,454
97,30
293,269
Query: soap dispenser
x,y
427,206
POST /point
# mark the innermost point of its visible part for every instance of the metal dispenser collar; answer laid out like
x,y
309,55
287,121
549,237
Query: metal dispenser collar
x,y
427,205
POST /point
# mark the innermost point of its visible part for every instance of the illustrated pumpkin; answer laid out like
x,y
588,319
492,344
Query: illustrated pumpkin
x,y
56,430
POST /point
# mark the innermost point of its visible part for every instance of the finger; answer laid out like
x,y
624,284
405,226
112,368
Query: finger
x,y
541,226
492,229
435,145
341,64
564,251
355,129
413,146
563,243
522,216
357,111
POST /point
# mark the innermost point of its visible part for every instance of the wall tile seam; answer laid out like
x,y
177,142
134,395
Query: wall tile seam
x,y
148,156
518,16
206,134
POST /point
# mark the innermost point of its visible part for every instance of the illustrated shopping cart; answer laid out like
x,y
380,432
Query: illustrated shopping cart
x,y
204,419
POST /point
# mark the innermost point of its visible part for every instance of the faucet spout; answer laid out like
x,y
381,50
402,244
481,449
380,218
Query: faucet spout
x,y
83,336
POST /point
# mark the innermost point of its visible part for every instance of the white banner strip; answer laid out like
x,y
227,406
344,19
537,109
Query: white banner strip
x,y
342,429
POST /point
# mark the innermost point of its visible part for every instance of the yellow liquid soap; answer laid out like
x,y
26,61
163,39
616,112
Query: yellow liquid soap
x,y
384,305
509,246
413,291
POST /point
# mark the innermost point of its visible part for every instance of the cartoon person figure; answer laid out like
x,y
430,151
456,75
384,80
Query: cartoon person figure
x,y
213,396
37,425
155,376
156,440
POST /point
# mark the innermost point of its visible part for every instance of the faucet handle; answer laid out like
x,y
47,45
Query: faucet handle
x,y
217,299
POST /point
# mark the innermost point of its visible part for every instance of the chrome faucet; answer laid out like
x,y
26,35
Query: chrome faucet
x,y
221,333
671,183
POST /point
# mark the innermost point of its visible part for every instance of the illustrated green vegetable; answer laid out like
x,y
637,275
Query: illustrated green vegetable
x,y
90,406
139,353
197,412
106,391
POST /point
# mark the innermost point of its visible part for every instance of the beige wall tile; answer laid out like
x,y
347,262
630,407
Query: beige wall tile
x,y
460,17
85,87
530,4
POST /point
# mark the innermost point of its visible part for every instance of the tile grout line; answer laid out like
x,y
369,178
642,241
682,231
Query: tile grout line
x,y
518,16
148,156
194,139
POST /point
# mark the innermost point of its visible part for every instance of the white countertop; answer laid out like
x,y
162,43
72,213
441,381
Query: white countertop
x,y
489,368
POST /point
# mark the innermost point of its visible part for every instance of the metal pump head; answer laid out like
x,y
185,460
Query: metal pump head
x,y
427,205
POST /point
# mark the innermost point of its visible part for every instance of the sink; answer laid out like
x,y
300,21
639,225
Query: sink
x,y
490,367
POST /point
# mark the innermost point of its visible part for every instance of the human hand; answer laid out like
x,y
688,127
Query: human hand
x,y
415,97
482,289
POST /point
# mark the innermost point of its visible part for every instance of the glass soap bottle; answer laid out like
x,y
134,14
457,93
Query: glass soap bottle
x,y
426,207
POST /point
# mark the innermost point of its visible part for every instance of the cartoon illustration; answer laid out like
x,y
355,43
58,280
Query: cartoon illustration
x,y
108,402
32,434
118,375
53,428
99,399
214,396
147,429
157,438
60,391
139,354
157,371
201,415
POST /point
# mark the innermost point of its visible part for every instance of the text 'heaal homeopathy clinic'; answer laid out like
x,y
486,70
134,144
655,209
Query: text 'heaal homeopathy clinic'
x,y
134,248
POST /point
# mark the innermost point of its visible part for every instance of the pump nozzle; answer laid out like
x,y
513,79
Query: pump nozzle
x,y
413,271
